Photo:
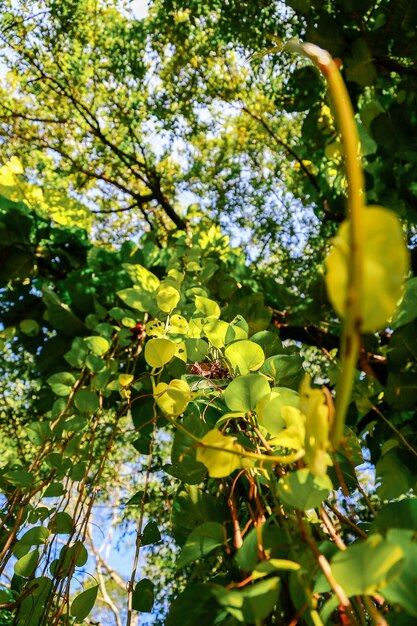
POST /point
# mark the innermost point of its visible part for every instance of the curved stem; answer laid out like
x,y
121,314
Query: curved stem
x,y
350,341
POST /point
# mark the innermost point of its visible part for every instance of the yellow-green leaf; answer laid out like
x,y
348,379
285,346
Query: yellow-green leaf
x,y
245,356
172,399
181,351
293,435
15,165
385,266
178,325
125,379
155,328
98,345
167,298
142,277
268,408
313,405
159,352
215,330
209,308
220,454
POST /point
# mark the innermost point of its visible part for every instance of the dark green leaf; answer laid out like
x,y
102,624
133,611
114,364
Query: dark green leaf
x,y
251,604
150,534
202,540
27,564
143,596
61,523
83,604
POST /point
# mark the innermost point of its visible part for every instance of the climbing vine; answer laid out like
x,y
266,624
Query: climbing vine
x,y
271,512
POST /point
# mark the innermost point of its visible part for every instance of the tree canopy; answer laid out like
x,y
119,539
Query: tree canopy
x,y
208,314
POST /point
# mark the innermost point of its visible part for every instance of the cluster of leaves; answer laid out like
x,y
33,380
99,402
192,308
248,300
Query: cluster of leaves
x,y
175,338
251,437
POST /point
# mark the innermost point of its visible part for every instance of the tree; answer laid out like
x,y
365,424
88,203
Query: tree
x,y
217,379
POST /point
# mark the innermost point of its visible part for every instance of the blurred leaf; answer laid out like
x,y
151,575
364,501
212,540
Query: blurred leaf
x,y
150,533
250,604
143,596
202,540
367,566
302,490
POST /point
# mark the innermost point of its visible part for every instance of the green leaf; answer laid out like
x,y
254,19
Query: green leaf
x,y
35,536
69,556
402,590
53,490
196,349
97,345
401,390
18,478
33,605
76,424
27,564
38,433
257,315
143,596
273,565
359,63
78,353
244,356
29,327
183,452
407,309
269,409
78,470
150,534
401,515
285,369
251,604
187,612
402,348
135,298
274,543
302,490
393,477
86,401
159,352
243,393
83,604
191,507
270,342
61,523
367,566
60,315
62,383
202,540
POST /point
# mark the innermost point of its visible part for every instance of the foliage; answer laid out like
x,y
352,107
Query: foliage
x,y
216,386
